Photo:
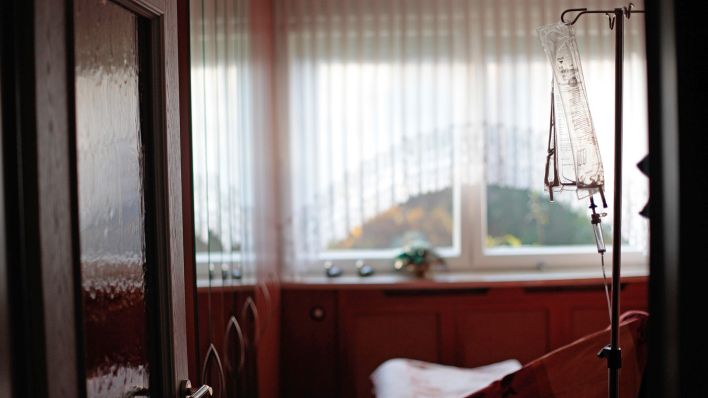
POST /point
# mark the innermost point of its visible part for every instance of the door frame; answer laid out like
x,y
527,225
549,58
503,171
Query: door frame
x,y
40,266
40,295
190,272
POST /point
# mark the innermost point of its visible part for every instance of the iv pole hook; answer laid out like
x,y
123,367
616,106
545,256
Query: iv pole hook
x,y
626,12
581,12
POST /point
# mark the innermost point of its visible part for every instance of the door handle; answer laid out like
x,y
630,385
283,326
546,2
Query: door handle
x,y
187,391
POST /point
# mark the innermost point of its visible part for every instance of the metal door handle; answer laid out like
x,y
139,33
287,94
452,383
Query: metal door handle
x,y
188,392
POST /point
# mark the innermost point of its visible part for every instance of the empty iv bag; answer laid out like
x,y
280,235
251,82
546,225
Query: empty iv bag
x,y
561,48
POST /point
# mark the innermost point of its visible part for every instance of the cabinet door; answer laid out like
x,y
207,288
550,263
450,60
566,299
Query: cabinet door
x,y
309,327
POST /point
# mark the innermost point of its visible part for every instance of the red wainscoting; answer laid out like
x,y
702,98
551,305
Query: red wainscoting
x,y
334,336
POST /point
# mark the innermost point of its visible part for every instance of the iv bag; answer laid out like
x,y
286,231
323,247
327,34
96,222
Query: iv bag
x,y
560,167
561,48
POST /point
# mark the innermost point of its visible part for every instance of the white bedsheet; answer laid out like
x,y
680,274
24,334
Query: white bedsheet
x,y
408,378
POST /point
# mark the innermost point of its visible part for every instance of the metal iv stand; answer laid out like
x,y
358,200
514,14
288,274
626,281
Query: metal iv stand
x,y
612,352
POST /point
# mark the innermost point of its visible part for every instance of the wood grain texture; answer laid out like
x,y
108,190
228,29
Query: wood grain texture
x,y
162,112
54,168
169,24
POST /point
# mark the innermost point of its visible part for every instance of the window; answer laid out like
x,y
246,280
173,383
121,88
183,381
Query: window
x,y
428,120
221,127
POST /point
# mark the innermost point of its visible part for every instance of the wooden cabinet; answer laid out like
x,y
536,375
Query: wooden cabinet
x,y
373,337
333,355
486,336
240,322
236,325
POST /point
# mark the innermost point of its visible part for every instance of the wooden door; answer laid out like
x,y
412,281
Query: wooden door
x,y
91,223
129,197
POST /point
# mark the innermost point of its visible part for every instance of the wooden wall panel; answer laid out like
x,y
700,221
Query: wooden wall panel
x,y
490,336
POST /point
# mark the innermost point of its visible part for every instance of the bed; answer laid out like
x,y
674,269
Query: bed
x,y
572,371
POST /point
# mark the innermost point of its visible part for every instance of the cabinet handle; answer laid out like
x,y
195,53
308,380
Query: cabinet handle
x,y
317,313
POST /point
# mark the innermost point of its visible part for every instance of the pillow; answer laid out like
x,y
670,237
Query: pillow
x,y
405,378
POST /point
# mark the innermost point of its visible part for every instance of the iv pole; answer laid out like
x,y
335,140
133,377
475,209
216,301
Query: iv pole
x,y
612,352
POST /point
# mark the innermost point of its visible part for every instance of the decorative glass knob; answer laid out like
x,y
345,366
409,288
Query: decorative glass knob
x,y
332,270
364,269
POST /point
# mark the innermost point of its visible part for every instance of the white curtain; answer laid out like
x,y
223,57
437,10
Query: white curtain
x,y
380,101
222,128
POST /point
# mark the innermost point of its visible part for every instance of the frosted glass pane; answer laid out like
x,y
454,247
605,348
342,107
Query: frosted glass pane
x,y
111,203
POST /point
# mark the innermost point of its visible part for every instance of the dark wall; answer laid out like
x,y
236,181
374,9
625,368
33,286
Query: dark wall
x,y
678,89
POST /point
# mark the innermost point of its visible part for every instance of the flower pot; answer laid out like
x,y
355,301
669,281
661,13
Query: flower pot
x,y
418,270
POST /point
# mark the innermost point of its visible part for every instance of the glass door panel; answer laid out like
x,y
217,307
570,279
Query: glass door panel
x,y
110,159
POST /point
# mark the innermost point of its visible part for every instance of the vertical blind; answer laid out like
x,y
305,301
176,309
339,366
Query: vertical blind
x,y
221,130
385,101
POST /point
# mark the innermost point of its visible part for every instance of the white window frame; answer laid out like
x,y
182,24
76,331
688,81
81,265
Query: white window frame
x,y
382,259
470,254
539,258
204,259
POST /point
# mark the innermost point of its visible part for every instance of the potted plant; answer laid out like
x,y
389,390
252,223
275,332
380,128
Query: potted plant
x,y
417,259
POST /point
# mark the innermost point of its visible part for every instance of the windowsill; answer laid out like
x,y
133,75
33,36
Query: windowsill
x,y
471,279
218,285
